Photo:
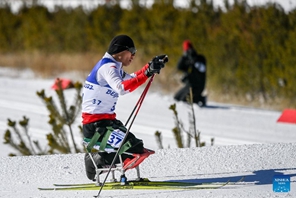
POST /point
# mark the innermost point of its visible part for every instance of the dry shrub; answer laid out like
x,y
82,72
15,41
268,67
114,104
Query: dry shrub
x,y
50,65
53,64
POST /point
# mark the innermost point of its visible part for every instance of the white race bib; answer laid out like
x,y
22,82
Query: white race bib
x,y
200,66
115,138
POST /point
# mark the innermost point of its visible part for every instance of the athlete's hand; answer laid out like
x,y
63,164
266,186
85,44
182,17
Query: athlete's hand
x,y
156,64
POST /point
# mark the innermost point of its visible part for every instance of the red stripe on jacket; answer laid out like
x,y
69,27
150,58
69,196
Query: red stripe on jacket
x,y
133,83
89,118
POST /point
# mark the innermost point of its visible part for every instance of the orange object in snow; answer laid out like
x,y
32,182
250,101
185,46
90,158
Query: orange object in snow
x,y
64,84
288,116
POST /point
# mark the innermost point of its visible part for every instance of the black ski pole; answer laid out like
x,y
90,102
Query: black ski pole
x,y
138,106
164,60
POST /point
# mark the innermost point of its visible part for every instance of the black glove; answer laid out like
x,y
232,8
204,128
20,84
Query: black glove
x,y
156,64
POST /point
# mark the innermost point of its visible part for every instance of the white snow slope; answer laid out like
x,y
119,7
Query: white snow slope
x,y
248,142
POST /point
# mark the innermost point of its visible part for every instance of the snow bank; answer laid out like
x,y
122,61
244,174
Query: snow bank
x,y
258,163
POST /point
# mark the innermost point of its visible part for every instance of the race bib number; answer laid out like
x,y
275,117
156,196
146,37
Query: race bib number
x,y
200,66
115,138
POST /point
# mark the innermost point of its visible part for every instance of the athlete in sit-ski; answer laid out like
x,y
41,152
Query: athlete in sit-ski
x,y
102,87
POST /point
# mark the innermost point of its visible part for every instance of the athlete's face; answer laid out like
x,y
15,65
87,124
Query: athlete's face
x,y
126,57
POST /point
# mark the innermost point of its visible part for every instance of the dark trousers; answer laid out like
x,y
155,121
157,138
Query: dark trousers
x,y
183,95
89,130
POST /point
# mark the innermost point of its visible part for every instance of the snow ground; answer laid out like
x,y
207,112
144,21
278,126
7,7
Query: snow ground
x,y
248,142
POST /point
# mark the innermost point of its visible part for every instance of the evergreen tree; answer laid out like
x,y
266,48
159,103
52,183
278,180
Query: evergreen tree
x,y
24,144
59,118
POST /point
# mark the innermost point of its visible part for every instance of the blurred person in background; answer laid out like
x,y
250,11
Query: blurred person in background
x,y
193,65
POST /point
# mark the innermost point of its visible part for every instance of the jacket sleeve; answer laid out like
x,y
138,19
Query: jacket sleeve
x,y
182,64
138,78
122,84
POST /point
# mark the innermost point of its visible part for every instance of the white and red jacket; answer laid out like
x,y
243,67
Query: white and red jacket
x,y
104,84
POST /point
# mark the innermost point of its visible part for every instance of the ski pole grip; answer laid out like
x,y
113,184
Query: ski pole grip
x,y
165,59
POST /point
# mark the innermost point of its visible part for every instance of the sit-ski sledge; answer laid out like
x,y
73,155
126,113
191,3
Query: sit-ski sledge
x,y
91,145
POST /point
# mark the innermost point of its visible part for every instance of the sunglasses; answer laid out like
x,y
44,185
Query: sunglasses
x,y
132,50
